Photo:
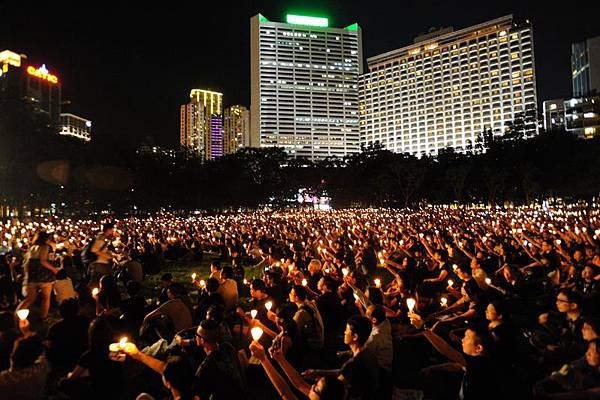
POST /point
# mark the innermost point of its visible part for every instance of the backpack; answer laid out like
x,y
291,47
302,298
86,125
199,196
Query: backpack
x,y
87,256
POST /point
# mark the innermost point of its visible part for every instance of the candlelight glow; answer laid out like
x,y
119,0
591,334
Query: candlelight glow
x,y
410,302
256,333
253,314
23,314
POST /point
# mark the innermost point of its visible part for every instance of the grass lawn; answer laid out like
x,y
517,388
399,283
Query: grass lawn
x,y
182,272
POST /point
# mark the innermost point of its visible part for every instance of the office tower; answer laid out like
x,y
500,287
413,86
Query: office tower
x,y
554,114
236,133
77,127
201,124
35,83
304,86
448,87
585,65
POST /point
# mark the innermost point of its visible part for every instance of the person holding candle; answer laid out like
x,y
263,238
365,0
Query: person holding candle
x,y
105,375
209,298
326,388
484,377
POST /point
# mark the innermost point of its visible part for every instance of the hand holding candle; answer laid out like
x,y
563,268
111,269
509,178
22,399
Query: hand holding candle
x,y
377,283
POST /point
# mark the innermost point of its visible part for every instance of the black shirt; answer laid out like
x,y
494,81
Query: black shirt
x,y
68,340
481,380
361,374
220,376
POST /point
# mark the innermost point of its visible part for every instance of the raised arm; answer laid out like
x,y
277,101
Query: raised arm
x,y
277,380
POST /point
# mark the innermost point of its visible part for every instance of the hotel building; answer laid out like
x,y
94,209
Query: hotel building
x,y
448,87
35,83
304,86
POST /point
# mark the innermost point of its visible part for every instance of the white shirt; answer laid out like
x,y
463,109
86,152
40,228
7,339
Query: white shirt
x,y
380,343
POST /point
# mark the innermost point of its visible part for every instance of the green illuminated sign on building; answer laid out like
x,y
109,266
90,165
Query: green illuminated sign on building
x,y
307,21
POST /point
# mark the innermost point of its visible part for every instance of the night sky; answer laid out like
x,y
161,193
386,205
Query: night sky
x,y
130,67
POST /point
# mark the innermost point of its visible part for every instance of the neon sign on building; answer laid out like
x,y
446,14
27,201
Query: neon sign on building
x,y
42,73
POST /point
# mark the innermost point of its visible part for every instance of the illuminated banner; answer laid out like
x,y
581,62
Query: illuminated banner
x,y
42,73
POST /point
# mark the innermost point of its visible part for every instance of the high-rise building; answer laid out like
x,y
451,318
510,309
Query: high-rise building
x,y
448,87
236,133
201,124
20,79
304,86
585,65
554,114
77,127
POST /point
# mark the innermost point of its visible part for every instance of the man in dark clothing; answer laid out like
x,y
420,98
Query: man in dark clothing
x,y
484,377
220,375
360,373
68,338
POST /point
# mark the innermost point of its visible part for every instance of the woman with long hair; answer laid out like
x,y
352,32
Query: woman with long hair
x,y
39,273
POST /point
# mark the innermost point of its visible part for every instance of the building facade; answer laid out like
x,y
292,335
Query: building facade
x,y
201,124
74,126
585,66
447,88
35,83
304,86
554,114
582,116
236,132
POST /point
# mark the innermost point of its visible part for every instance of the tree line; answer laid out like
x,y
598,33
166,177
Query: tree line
x,y
39,168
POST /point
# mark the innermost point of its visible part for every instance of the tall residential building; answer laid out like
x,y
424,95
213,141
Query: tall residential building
x,y
21,79
554,114
201,124
448,87
585,66
77,127
236,133
304,86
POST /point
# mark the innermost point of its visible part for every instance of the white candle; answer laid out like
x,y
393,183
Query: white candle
x,y
256,333
253,314
410,302
23,314
268,305
450,282
444,302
